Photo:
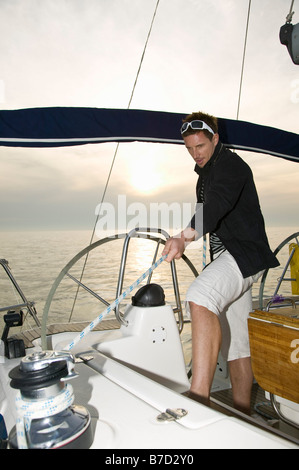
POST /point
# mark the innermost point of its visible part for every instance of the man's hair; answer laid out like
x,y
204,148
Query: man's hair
x,y
207,118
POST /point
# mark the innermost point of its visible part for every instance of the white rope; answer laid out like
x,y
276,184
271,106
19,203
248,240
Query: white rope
x,y
114,304
204,252
27,410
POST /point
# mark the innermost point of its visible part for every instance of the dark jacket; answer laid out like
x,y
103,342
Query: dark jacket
x,y
231,210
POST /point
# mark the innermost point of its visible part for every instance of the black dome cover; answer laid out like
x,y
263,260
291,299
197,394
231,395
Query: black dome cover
x,y
151,295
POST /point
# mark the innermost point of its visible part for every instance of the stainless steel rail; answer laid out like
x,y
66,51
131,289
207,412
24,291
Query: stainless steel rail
x,y
26,303
135,233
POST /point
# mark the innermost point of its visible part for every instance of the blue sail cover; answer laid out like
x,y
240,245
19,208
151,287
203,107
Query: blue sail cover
x,y
60,126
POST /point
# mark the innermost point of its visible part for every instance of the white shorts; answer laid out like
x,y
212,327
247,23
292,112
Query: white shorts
x,y
222,289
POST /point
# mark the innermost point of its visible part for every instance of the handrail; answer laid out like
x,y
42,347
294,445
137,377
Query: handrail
x,y
134,233
74,260
29,305
263,279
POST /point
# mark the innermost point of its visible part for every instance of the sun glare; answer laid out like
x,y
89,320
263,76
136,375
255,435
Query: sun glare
x,y
145,175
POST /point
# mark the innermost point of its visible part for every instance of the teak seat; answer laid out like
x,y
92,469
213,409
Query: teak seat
x,y
274,344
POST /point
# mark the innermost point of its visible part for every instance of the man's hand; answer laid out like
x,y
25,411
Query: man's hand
x,y
175,246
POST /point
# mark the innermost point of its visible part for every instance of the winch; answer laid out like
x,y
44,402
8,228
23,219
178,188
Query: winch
x,y
46,416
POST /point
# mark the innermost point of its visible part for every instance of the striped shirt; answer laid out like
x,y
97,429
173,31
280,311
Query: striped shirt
x,y
216,245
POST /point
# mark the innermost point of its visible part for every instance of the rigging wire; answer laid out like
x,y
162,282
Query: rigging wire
x,y
238,111
114,156
243,61
288,20
290,15
128,107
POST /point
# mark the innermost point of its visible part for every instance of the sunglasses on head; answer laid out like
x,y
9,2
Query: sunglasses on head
x,y
196,126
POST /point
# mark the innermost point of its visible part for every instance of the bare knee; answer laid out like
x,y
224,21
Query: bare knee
x,y
204,318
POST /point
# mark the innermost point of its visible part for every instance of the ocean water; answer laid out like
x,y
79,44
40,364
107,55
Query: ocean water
x,y
36,259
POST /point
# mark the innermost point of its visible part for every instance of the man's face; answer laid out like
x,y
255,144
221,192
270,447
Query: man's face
x,y
200,147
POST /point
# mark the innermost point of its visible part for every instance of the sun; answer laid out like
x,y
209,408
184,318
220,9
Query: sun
x,y
145,176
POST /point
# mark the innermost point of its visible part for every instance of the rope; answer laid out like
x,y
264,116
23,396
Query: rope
x,y
114,156
204,252
27,410
114,304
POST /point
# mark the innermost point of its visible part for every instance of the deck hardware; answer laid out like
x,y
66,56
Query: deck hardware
x,y
47,418
172,414
83,358
13,347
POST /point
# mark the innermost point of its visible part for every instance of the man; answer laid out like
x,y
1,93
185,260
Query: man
x,y
219,300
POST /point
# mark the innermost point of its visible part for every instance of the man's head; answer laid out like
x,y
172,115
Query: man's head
x,y
200,134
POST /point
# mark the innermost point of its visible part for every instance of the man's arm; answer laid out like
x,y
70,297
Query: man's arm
x,y
175,246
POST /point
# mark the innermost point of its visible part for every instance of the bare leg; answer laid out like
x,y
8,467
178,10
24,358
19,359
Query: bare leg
x,y
241,378
206,341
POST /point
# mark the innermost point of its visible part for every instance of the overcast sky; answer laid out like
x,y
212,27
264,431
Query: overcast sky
x,y
87,52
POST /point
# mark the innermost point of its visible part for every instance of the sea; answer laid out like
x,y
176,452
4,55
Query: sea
x,y
36,258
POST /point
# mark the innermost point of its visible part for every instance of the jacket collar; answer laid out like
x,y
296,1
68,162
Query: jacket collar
x,y
205,170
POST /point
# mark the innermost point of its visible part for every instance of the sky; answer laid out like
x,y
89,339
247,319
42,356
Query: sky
x,y
87,53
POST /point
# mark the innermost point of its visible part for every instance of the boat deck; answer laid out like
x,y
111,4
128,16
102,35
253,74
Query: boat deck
x,y
259,404
261,408
262,411
30,335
